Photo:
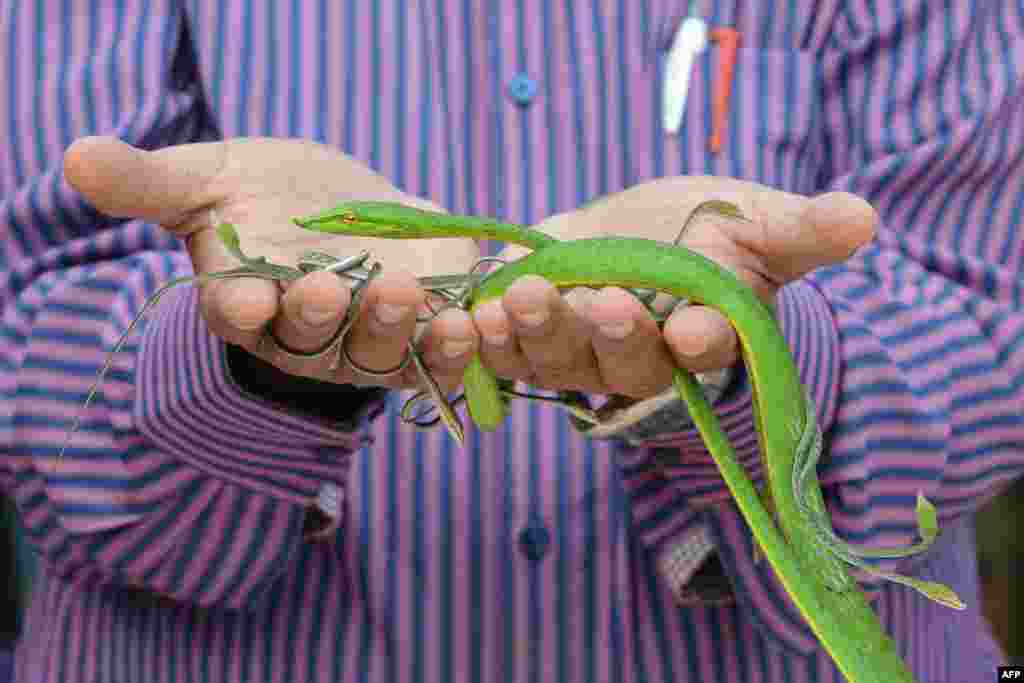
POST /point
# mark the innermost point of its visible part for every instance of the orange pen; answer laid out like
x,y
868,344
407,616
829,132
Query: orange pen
x,y
728,40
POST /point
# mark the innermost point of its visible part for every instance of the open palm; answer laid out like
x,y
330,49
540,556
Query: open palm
x,y
260,185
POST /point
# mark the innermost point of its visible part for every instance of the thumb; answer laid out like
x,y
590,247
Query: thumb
x,y
826,229
166,186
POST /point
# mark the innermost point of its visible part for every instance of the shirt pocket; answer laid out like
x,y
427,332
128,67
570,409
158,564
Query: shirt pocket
x,y
775,128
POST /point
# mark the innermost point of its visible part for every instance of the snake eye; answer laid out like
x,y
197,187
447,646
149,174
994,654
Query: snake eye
x,y
348,218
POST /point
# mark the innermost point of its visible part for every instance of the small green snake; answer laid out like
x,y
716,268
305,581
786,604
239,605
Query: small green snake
x,y
789,519
804,551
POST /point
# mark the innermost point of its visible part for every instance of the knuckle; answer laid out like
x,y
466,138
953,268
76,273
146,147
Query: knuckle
x,y
545,355
537,333
295,366
644,389
632,379
573,382
550,365
555,375
231,334
502,360
518,373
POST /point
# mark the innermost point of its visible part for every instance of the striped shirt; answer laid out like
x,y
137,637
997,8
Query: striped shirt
x,y
172,534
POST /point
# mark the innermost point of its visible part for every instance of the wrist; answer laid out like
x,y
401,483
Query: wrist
x,y
640,420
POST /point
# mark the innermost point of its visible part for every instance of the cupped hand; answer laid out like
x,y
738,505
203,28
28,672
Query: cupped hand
x,y
605,341
260,185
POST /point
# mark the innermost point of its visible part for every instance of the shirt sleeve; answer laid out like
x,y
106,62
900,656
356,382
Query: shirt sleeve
x,y
912,350
178,481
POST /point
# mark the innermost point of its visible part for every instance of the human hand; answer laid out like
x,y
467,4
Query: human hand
x,y
260,185
605,341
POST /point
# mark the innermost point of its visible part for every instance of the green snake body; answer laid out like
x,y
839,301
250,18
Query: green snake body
x,y
817,581
809,559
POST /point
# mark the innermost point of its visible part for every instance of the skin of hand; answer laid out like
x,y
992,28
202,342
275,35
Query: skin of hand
x,y
605,342
260,184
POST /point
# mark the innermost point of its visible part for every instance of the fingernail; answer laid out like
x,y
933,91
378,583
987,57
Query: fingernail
x,y
235,308
389,314
533,318
454,349
693,346
496,339
619,330
316,315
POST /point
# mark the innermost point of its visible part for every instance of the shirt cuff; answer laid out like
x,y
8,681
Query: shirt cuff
x,y
188,405
681,563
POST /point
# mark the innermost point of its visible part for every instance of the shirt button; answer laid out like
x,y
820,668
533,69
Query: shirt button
x,y
534,541
522,89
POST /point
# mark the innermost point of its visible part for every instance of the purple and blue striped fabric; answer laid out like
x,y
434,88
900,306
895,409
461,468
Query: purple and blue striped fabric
x,y
173,531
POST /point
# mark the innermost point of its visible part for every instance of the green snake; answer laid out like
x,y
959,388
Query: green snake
x,y
810,560
789,519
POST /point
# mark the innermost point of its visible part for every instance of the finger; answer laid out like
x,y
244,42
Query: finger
x,y
384,325
797,235
173,186
165,186
238,309
447,347
310,312
631,354
553,336
499,349
701,339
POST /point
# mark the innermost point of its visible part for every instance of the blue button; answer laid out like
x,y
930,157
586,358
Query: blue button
x,y
534,541
522,89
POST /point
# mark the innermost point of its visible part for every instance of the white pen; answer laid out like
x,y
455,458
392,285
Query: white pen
x,y
690,40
